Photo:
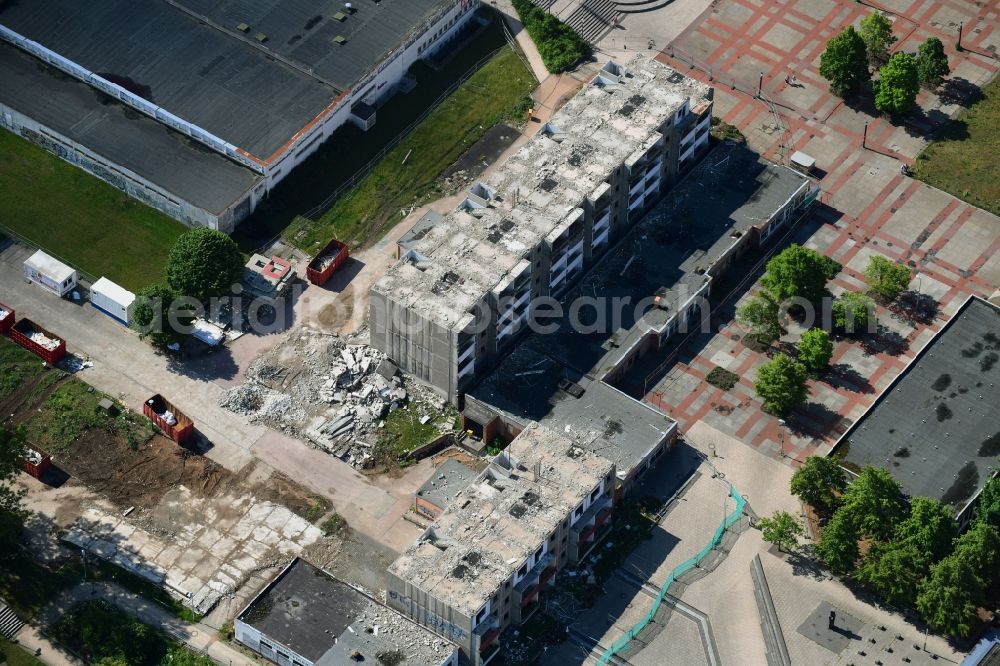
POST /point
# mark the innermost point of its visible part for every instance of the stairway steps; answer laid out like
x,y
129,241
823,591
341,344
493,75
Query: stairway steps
x,y
10,623
593,18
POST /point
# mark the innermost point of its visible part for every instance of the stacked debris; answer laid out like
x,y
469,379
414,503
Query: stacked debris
x,y
332,391
40,338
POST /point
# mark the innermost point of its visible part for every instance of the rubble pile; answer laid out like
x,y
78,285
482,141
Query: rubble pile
x,y
40,338
333,391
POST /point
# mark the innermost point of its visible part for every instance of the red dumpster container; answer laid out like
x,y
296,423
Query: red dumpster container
x,y
326,262
36,462
157,408
6,317
36,339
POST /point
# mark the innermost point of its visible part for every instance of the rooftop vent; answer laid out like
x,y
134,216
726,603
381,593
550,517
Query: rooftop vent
x,y
340,16
243,27
260,37
572,388
340,39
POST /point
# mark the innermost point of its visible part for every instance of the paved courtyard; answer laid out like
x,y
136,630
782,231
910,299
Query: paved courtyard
x,y
866,207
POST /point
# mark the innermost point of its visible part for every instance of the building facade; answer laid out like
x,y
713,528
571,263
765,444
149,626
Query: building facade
x,y
481,567
465,286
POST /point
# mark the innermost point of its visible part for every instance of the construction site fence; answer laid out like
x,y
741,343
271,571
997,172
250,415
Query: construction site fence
x,y
678,571
28,243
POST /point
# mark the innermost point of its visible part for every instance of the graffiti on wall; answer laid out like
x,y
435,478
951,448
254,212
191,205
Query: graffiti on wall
x,y
436,622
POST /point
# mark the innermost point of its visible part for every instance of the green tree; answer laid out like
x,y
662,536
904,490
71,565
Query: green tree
x,y
932,63
876,33
853,312
798,272
12,511
874,501
895,568
819,482
781,529
989,501
204,263
844,63
897,85
815,350
947,599
781,384
886,278
151,314
980,548
762,315
838,544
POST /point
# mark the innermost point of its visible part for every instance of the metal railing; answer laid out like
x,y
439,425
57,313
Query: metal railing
x,y
30,244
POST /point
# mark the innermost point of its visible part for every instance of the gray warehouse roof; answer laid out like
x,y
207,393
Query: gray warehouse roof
x,y
151,150
201,74
326,620
935,427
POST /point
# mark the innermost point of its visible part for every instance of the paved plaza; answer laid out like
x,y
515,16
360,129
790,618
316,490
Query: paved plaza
x,y
866,206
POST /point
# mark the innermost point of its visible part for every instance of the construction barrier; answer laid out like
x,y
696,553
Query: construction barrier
x,y
681,569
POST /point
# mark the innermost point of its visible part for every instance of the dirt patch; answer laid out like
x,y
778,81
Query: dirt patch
x,y
282,490
140,477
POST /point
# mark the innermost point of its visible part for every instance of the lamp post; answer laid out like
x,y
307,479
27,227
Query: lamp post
x,y
781,434
760,85
864,135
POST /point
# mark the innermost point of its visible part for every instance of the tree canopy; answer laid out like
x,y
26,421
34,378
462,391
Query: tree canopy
x,y
932,63
947,599
204,263
762,315
874,500
844,63
838,544
151,314
781,384
853,312
12,512
989,502
876,33
980,548
897,85
815,350
781,529
799,272
819,482
886,278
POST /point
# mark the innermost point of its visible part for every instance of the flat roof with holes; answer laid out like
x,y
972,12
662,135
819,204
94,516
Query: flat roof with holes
x,y
498,521
328,621
935,427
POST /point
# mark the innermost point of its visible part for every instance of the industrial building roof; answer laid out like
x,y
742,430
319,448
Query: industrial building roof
x,y
226,85
448,479
326,621
495,524
935,427
120,135
303,30
473,250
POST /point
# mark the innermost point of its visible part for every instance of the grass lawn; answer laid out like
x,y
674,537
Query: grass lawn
x,y
83,220
493,94
16,656
98,630
962,159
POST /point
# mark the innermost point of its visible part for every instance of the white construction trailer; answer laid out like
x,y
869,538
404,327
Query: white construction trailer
x,y
50,274
112,300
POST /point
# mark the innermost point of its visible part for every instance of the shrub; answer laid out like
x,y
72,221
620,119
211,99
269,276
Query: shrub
x,y
558,44
722,378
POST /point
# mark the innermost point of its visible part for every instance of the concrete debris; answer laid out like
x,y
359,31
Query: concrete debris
x,y
332,391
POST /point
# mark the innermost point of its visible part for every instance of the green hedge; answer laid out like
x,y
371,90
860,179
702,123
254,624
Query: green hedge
x,y
559,45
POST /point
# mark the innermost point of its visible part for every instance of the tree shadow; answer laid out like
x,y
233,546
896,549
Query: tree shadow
x,y
816,420
958,90
845,376
928,123
805,563
916,307
884,341
204,362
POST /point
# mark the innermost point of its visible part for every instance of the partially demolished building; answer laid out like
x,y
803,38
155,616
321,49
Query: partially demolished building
x,y
542,503
460,295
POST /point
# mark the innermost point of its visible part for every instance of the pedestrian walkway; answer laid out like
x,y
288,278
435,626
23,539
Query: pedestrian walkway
x,y
197,636
516,28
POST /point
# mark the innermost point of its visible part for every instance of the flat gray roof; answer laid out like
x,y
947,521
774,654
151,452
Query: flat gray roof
x,y
935,427
303,30
201,74
121,135
326,620
448,479
603,420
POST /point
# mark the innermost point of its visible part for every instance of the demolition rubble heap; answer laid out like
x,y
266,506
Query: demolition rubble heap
x,y
333,391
